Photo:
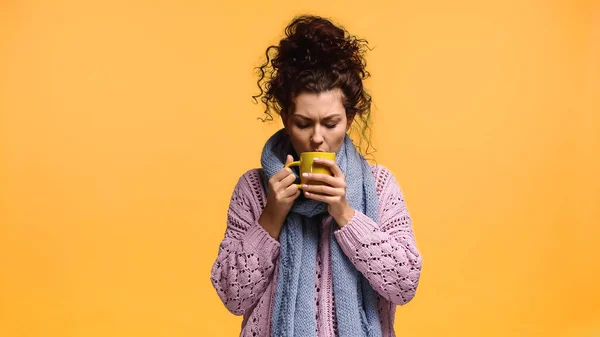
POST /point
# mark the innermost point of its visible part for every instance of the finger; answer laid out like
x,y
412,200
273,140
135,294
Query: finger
x,y
277,177
288,180
291,191
294,196
284,193
318,197
335,169
281,174
323,190
289,159
333,181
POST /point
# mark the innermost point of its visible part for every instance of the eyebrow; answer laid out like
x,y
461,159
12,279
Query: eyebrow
x,y
326,118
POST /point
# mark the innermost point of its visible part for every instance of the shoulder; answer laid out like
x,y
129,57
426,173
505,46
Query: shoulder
x,y
384,178
251,179
250,186
381,172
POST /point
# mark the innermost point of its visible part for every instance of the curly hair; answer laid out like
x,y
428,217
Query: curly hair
x,y
316,56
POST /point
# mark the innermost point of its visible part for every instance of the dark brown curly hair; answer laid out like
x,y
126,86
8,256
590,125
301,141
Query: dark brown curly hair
x,y
315,56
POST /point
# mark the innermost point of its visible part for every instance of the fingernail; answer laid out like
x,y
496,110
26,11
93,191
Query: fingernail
x,y
305,174
317,159
304,186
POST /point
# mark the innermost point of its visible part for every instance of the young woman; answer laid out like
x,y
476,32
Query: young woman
x,y
330,259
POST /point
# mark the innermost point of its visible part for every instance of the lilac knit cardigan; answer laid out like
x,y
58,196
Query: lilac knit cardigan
x,y
245,271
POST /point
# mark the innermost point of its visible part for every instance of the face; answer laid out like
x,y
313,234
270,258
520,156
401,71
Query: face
x,y
319,122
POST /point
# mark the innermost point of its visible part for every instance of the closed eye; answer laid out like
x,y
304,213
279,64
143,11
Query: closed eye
x,y
304,126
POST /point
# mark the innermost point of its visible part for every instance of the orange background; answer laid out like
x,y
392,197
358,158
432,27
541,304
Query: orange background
x,y
124,127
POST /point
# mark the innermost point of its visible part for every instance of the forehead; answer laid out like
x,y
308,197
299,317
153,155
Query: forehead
x,y
319,105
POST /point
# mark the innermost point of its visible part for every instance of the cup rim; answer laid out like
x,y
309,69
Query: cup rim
x,y
316,152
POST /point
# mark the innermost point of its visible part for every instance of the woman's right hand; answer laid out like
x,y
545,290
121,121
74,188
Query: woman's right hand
x,y
282,193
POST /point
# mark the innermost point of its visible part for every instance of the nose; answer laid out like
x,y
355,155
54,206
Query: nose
x,y
317,137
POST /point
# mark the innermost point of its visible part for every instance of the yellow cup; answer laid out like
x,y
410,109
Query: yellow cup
x,y
307,165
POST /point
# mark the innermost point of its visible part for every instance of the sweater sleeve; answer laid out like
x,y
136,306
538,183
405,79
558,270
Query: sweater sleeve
x,y
247,254
385,253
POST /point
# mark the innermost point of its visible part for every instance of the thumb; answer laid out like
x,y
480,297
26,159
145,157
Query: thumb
x,y
289,159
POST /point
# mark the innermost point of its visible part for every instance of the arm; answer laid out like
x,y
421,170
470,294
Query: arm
x,y
246,260
385,253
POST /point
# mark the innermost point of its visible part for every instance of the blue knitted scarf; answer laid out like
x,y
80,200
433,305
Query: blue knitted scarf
x,y
355,301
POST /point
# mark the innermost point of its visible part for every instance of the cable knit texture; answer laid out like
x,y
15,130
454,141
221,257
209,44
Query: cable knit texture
x,y
245,271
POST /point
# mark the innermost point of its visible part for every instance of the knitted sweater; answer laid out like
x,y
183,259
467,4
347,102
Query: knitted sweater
x,y
245,271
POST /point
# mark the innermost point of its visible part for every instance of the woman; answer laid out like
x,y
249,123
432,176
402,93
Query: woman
x,y
324,260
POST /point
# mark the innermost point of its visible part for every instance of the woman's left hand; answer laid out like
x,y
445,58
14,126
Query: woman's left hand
x,y
333,193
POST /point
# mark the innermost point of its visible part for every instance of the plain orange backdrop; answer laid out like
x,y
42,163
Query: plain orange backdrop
x,y
124,126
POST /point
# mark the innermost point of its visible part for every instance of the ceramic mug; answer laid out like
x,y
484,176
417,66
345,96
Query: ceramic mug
x,y
307,165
